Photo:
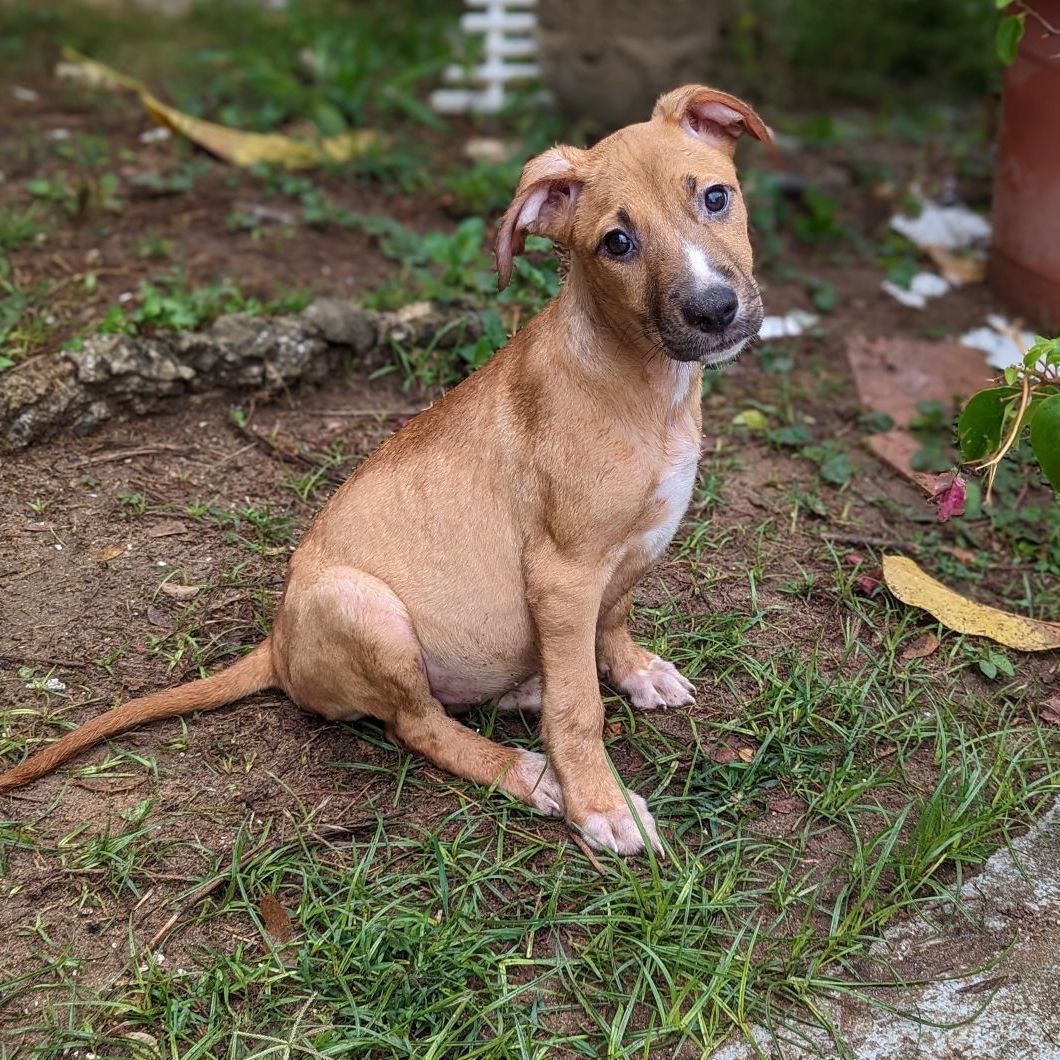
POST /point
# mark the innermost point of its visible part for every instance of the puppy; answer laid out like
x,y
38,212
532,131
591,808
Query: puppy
x,y
489,548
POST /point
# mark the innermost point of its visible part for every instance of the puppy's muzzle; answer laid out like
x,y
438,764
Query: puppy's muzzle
x,y
711,309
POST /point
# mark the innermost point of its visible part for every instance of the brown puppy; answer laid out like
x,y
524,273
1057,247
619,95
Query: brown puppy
x,y
490,547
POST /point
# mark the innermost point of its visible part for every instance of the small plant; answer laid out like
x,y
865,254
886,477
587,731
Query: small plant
x,y
132,504
17,227
169,304
995,420
153,246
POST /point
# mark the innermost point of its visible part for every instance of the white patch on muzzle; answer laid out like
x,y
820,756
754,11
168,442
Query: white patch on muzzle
x,y
701,267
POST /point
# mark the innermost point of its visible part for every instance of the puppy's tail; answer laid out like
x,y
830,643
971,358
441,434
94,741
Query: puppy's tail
x,y
251,674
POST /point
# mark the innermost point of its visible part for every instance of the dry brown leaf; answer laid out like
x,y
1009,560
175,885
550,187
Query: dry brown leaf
x,y
181,592
105,555
276,919
1050,712
917,589
167,529
957,268
159,618
924,645
231,145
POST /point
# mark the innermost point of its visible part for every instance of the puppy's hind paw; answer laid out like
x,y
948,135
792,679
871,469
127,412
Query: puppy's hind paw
x,y
540,786
525,697
659,684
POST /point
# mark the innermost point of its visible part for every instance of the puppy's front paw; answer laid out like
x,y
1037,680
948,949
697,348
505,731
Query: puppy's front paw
x,y
537,784
616,829
659,684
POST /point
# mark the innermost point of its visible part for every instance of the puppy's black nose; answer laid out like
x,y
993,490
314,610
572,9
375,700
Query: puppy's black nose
x,y
711,309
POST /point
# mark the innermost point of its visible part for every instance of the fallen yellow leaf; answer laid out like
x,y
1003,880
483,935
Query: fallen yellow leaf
x,y
105,555
917,589
231,145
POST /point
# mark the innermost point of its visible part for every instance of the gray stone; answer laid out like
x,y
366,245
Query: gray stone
x,y
114,375
984,979
343,323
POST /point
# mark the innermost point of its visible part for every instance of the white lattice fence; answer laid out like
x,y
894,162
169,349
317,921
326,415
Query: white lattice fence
x,y
510,51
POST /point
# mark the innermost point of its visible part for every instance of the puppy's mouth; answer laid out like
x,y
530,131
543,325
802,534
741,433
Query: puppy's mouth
x,y
683,343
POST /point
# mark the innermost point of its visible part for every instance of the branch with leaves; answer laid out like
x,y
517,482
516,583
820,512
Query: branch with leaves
x,y
1028,402
1012,25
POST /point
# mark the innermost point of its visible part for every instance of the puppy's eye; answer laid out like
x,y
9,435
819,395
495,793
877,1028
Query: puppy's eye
x,y
617,243
715,199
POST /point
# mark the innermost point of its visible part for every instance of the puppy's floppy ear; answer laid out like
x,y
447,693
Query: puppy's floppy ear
x,y
714,117
543,204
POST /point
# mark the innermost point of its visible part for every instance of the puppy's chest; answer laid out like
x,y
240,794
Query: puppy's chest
x,y
668,496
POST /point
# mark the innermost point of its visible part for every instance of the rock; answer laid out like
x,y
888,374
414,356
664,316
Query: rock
x,y
115,375
342,323
423,323
136,362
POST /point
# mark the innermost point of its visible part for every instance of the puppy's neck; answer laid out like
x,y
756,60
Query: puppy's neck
x,y
614,357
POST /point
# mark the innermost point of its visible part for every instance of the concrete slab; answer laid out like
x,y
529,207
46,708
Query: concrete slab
x,y
988,972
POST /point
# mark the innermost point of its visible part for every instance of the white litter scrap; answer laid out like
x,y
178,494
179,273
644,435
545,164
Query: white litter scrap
x,y
922,287
790,324
52,684
1003,343
510,53
950,227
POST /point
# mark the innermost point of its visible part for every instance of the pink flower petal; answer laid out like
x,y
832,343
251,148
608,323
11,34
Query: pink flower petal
x,y
950,491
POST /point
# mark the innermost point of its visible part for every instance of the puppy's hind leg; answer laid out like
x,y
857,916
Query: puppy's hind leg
x,y
352,650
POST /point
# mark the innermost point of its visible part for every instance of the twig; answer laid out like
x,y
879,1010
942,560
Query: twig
x,y
1034,14
587,851
862,539
990,466
285,456
147,450
201,892
44,660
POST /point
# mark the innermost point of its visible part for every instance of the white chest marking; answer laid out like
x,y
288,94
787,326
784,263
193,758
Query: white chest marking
x,y
673,493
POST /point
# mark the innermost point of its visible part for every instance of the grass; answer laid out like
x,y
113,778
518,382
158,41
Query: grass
x,y
826,787
478,932
168,303
823,788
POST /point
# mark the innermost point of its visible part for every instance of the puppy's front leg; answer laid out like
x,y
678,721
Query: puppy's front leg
x,y
565,603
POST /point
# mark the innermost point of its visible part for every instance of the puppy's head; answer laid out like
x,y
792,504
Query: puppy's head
x,y
655,225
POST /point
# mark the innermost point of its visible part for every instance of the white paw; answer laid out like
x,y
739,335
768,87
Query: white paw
x,y
617,829
659,684
545,794
526,696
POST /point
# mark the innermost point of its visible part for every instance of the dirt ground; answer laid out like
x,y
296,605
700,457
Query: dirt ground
x,y
97,533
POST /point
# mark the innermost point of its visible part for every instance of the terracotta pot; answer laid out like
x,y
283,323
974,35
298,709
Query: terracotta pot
x,y
1025,256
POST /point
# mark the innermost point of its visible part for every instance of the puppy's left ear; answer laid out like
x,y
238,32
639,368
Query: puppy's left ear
x,y
543,205
714,117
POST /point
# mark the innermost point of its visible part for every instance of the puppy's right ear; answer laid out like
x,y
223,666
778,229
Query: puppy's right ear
x,y
543,204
